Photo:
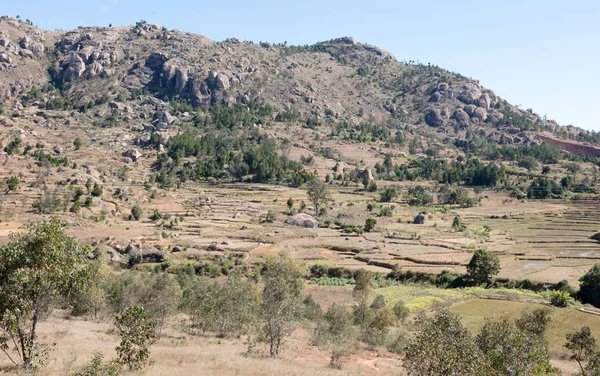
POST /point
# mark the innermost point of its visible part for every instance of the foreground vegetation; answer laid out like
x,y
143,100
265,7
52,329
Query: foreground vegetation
x,y
44,269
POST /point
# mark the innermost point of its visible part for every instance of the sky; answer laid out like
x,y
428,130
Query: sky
x,y
536,54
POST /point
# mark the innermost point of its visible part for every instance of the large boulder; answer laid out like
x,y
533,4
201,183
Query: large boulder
x,y
480,113
434,117
132,154
166,118
5,58
419,219
106,253
74,67
143,254
461,117
303,220
340,167
222,81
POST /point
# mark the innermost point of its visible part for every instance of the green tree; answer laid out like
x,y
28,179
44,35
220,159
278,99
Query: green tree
x,y
457,224
361,292
589,286
97,190
387,194
12,183
93,298
582,344
483,267
290,203
136,212
282,300
512,351
78,143
370,224
400,311
138,334
443,346
419,196
38,267
318,194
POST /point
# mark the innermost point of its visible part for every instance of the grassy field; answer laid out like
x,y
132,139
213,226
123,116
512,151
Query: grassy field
x,y
564,320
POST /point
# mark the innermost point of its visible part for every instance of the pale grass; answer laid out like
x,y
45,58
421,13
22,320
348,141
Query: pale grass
x,y
182,354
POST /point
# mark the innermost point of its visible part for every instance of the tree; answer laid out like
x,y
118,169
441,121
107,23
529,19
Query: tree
x,y
535,321
93,297
136,212
483,266
370,224
290,203
400,311
573,169
78,143
589,286
512,351
282,299
137,336
361,292
582,344
457,224
419,196
12,183
443,346
38,266
160,297
318,194
97,190
388,194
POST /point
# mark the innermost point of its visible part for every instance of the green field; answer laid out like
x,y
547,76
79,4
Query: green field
x,y
564,320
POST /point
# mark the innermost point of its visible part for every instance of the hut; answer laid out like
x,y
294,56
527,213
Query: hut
x,y
419,219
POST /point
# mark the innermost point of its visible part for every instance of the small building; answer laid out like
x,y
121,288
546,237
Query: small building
x,y
419,219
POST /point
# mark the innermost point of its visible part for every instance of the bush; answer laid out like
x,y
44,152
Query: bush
x,y
78,143
560,298
388,194
589,288
370,224
271,216
137,335
483,266
386,211
156,215
97,190
136,212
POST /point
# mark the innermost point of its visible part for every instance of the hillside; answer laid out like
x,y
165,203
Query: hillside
x,y
341,78
182,163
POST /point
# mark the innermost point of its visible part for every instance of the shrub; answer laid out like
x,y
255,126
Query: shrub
x,y
483,266
370,224
589,288
136,212
137,335
388,194
386,211
560,298
271,216
78,143
156,215
97,190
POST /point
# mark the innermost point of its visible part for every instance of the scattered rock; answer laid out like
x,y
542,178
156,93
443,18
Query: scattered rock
x,y
58,149
419,219
303,220
132,154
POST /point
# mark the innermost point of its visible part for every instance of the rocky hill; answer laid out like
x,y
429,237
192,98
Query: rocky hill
x,y
340,79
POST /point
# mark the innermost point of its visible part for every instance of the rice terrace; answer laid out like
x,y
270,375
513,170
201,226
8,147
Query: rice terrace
x,y
176,205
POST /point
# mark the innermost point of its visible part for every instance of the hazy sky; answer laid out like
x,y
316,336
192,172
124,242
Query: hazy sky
x,y
536,54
